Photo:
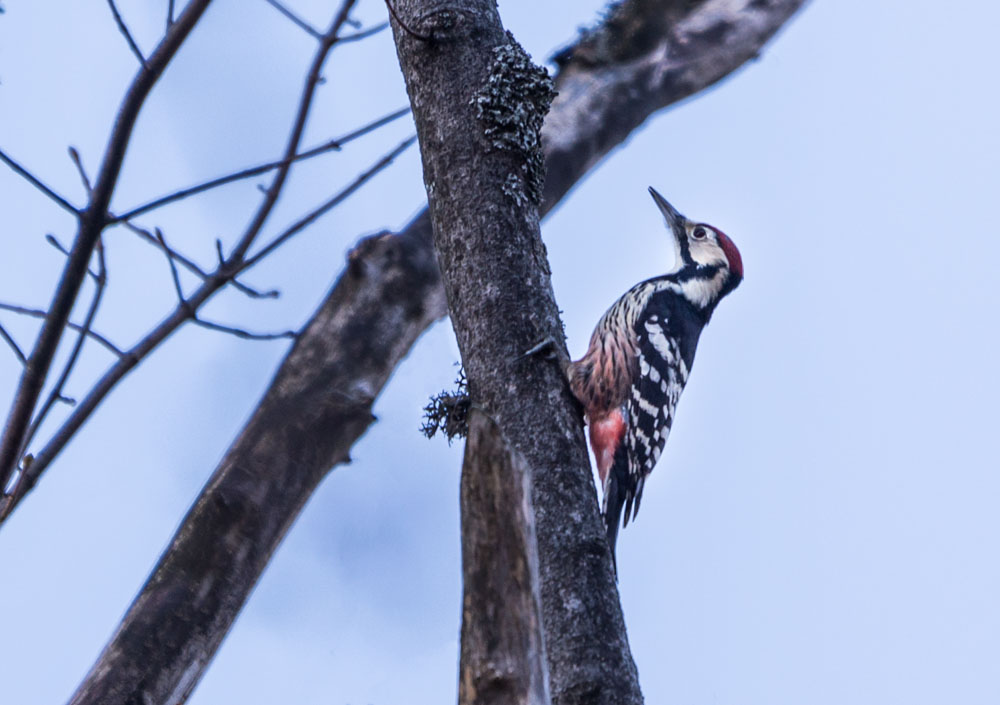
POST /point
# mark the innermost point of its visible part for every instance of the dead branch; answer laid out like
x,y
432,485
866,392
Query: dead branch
x,y
502,658
38,183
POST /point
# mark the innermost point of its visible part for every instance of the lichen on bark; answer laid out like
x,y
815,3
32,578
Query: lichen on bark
x,y
511,105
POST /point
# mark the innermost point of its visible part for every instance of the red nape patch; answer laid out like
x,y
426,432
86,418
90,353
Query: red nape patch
x,y
605,435
732,254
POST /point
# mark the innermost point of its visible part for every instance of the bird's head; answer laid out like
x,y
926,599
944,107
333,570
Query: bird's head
x,y
701,247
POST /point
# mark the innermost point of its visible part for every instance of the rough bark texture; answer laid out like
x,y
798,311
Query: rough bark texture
x,y
503,658
386,297
478,104
389,294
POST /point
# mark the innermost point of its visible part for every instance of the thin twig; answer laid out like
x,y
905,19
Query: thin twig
x,y
56,395
128,35
18,353
299,22
193,267
39,313
51,239
174,274
244,334
362,34
313,80
307,219
170,14
34,181
328,146
75,156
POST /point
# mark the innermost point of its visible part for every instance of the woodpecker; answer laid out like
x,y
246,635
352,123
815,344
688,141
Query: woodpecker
x,y
640,356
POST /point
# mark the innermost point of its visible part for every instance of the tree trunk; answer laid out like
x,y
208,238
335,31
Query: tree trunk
x,y
479,104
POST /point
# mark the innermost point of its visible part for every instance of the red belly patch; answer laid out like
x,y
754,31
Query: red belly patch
x,y
605,435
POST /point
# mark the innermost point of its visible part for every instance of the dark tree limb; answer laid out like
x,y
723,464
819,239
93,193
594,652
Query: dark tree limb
x,y
502,658
389,293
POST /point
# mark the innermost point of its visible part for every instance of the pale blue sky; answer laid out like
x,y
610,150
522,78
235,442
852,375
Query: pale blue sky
x,y
823,525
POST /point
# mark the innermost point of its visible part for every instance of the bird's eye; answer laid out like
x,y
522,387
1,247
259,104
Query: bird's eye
x,y
699,233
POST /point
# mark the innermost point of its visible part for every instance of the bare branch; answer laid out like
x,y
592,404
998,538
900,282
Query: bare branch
x,y
125,33
91,223
298,21
39,313
203,293
174,274
170,14
244,334
310,217
331,145
364,34
51,239
18,353
231,330
56,395
37,183
75,156
193,267
313,80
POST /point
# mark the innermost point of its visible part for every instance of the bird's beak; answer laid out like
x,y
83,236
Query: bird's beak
x,y
675,221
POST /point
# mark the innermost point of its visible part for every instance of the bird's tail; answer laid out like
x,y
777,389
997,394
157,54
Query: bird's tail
x,y
616,491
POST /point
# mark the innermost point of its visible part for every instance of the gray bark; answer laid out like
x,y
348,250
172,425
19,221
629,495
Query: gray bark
x,y
502,658
389,293
478,103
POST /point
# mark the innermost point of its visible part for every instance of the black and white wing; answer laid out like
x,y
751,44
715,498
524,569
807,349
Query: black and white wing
x,y
651,403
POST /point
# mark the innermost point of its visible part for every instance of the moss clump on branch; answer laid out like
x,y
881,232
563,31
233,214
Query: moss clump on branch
x,y
512,105
448,412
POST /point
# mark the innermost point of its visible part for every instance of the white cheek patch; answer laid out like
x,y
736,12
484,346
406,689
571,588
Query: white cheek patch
x,y
707,253
701,291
